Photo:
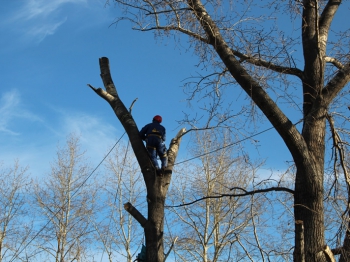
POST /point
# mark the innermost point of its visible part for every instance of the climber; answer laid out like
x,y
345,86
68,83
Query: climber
x,y
154,135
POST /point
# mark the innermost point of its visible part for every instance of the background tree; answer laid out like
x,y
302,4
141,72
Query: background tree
x,y
15,221
66,202
274,66
215,229
121,235
338,193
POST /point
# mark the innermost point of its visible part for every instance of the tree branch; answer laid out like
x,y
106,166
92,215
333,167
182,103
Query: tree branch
x,y
337,251
102,93
132,104
327,15
124,116
173,150
171,247
328,253
107,77
336,84
176,28
260,62
136,214
289,133
246,193
334,61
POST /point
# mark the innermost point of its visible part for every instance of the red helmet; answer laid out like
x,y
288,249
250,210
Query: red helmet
x,y
158,118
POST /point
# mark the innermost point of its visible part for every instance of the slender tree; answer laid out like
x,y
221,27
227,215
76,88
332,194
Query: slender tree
x,y
15,221
120,234
214,229
272,64
66,202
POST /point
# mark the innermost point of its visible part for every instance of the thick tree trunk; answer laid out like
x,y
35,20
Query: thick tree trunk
x,y
154,230
308,208
308,197
307,148
309,191
157,189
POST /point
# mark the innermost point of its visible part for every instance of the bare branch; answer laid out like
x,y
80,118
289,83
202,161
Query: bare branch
x,y
246,193
135,213
173,150
334,61
327,16
260,62
328,253
132,104
171,247
336,84
102,93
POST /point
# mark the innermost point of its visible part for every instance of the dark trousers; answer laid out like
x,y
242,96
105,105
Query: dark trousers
x,y
155,147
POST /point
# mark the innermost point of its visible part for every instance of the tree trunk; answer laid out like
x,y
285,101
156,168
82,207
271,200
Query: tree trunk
x,y
307,148
157,186
154,230
309,191
308,197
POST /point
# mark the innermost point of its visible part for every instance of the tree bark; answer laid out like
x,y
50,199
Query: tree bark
x,y
299,251
307,148
157,186
345,250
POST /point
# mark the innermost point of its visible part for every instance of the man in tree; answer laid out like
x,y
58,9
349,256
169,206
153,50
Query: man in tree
x,y
238,44
154,135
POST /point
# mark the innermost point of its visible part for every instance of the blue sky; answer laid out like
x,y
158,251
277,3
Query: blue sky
x,y
49,52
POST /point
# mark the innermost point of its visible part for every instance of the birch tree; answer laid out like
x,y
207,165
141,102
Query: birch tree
x,y
15,221
217,228
119,231
66,202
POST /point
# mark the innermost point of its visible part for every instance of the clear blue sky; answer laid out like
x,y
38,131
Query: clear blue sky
x,y
49,52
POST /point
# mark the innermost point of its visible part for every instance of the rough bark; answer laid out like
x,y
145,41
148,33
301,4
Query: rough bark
x,y
345,250
299,251
307,148
157,186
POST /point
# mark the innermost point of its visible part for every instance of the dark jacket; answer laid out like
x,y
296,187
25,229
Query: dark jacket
x,y
153,129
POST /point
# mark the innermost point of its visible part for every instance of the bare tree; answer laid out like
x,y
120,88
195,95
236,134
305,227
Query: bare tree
x,y
120,234
66,201
156,186
15,222
214,229
307,67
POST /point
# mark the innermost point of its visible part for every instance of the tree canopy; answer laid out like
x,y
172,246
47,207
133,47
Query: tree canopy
x,y
291,60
